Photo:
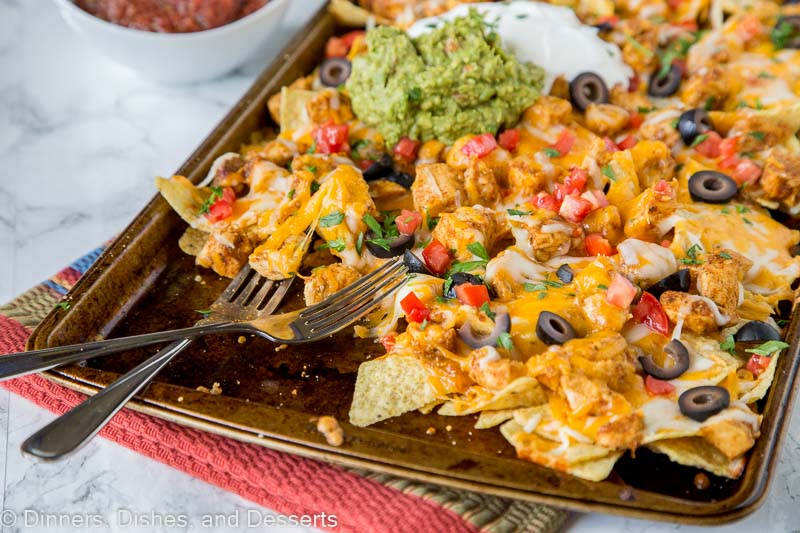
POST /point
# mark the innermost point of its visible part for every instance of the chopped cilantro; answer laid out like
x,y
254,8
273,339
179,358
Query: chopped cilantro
x,y
360,242
552,152
442,299
216,194
602,286
488,310
314,186
204,312
415,95
645,110
382,242
728,345
312,148
758,135
709,103
518,212
725,255
63,305
782,33
551,283
478,249
541,295
674,122
697,140
311,168
725,210
290,194
691,255
423,325
609,172
742,209
337,244
372,224
782,322
331,219
533,287
504,341
768,348
642,49
765,75
747,221
465,266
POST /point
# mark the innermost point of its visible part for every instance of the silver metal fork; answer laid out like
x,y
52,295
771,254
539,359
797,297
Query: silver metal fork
x,y
306,325
73,429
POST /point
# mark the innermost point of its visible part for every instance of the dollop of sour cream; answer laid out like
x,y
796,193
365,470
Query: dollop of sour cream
x,y
549,36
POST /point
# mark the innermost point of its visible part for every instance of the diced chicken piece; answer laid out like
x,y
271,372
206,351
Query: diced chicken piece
x,y
624,432
278,152
225,258
560,88
581,393
621,97
525,175
430,151
649,209
425,341
603,315
731,437
641,42
329,105
719,278
489,369
605,221
316,258
544,235
695,313
495,161
464,226
658,127
548,111
326,280
653,161
603,357
780,180
390,196
437,189
274,102
480,184
606,119
317,164
706,85
231,174
756,132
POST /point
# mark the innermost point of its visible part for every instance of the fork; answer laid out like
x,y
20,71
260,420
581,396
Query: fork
x,y
306,325
73,429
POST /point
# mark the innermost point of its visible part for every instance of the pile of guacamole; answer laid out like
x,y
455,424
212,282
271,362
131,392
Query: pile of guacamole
x,y
453,81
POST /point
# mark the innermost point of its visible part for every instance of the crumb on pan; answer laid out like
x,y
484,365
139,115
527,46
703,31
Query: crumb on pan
x,y
215,389
330,429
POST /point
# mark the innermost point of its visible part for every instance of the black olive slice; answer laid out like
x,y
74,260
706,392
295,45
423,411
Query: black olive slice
x,y
396,246
553,329
414,264
587,88
703,402
608,26
679,281
665,85
756,330
792,24
674,350
379,169
334,71
565,273
712,187
401,178
502,324
460,278
693,123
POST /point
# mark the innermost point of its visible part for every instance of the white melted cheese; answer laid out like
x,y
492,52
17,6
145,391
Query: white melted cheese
x,y
663,418
517,266
215,166
549,36
647,261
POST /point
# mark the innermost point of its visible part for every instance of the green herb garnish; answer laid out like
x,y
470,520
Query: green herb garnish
x,y
331,219
725,255
487,310
691,255
504,341
466,266
337,244
360,242
609,172
63,305
768,348
312,148
314,186
216,194
729,345
602,286
372,224
697,140
290,194
478,249
758,135
642,49
518,212
552,152
204,312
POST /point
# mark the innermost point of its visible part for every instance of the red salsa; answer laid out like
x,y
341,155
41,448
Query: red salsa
x,y
170,16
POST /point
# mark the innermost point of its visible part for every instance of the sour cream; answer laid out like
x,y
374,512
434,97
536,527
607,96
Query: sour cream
x,y
549,36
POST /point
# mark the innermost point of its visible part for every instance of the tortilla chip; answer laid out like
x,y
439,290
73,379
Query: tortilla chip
x,y
786,114
185,199
490,419
522,392
348,14
192,241
755,390
388,387
697,452
293,113
595,469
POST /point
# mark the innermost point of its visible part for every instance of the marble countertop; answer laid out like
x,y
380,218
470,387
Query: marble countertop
x,y
80,142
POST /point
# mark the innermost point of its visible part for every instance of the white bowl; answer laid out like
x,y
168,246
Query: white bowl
x,y
180,57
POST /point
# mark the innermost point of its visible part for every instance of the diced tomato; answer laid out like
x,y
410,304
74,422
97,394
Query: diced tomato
x,y
611,146
758,364
610,19
674,4
546,201
666,243
729,163
650,313
336,47
621,292
574,208
657,387
636,119
474,295
576,179
710,146
749,28
680,62
388,342
596,197
406,149
364,164
437,257
633,83
663,188
415,310
727,147
596,244
222,208
627,143
746,171
331,138
480,145
509,139
565,141
408,221
349,38
689,24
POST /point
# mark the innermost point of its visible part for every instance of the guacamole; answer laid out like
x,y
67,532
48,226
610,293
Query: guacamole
x,y
451,82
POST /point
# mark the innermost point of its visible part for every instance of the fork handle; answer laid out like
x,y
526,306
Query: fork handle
x,y
21,363
73,429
